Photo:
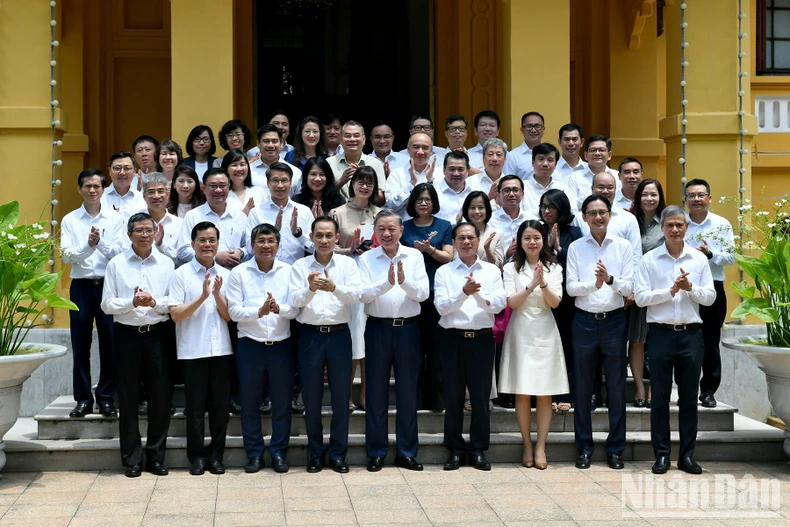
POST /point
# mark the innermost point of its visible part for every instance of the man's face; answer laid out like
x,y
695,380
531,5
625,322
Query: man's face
x,y
456,133
455,174
544,165
511,193
532,128
279,184
388,232
486,129
381,137
353,139
265,248
604,185
122,171
144,155
422,125
598,154
282,124
420,148
324,237
206,243
91,189
142,235
216,189
674,228
270,146
156,195
630,175
597,216
332,133
494,160
697,198
466,241
570,142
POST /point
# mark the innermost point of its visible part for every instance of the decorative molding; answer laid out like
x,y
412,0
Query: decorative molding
x,y
641,11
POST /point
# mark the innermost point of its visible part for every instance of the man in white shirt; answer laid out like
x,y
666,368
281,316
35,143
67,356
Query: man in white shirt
x,y
394,283
468,293
420,169
487,125
456,130
711,235
283,124
544,177
673,282
324,287
156,192
420,124
259,301
630,175
509,217
200,311
120,196
598,152
519,160
135,294
455,186
269,144
381,138
494,154
571,137
144,149
346,163
600,274
89,238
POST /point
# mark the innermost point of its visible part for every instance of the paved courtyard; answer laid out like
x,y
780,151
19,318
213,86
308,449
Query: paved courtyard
x,y
508,495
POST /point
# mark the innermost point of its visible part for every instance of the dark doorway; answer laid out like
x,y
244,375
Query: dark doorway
x,y
368,60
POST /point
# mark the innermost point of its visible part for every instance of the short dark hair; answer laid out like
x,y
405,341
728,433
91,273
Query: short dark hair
x,y
411,205
417,117
520,258
195,133
331,116
695,182
465,224
90,172
560,200
269,128
365,173
386,213
203,226
170,145
264,228
570,127
532,113
214,172
627,160
597,137
232,157
490,114
352,123
455,117
231,125
280,111
595,197
282,167
381,122
137,218
509,177
121,155
325,218
544,149
144,139
456,154
468,203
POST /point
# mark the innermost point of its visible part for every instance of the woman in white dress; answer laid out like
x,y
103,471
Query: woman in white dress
x,y
532,359
243,195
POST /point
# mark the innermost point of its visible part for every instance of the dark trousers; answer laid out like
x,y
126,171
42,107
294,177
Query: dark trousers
x,y
233,330
253,358
605,338
143,357
712,320
680,352
429,384
387,347
86,293
467,363
317,349
207,387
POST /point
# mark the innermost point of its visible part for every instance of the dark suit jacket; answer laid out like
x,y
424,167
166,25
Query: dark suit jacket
x,y
190,162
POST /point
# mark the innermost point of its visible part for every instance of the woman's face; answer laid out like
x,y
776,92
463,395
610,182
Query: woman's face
x,y
477,211
363,188
202,143
424,204
531,241
311,134
235,138
238,172
185,186
549,212
649,198
168,159
316,179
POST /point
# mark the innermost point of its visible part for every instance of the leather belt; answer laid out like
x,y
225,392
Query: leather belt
x,y
95,282
145,328
600,316
472,333
327,329
677,327
394,322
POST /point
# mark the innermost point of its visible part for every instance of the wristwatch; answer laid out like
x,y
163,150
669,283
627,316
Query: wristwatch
x,y
709,254
298,233
611,280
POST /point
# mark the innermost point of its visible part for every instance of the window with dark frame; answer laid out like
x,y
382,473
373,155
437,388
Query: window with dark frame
x,y
773,37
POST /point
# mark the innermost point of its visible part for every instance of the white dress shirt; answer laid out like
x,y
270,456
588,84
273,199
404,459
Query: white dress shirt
x,y
563,170
476,157
533,191
502,222
399,187
127,271
621,201
247,291
87,261
485,182
231,225
457,309
172,239
291,248
655,276
254,150
450,201
519,162
622,224
204,333
438,155
258,195
130,203
339,164
258,176
583,255
319,308
395,160
580,183
717,233
386,300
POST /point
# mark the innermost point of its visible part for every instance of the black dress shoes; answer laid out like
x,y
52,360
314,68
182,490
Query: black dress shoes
x,y
133,471
408,462
595,402
296,406
583,461
81,410
235,407
339,465
707,400
316,464
615,462
688,465
142,408
279,465
198,468
266,406
215,466
478,460
661,465
453,462
107,409
157,469
375,464
254,464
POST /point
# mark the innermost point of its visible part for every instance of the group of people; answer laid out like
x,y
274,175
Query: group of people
x,y
472,275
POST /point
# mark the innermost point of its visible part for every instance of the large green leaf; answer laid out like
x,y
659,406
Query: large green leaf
x,y
9,215
55,301
745,290
764,269
758,307
44,284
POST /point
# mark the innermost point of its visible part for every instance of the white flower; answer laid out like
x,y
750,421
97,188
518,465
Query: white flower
x,y
778,204
740,218
10,225
744,208
771,225
787,220
763,213
721,201
17,253
11,236
779,238
747,200
21,245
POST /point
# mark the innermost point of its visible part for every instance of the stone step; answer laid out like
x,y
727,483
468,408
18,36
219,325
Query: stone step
x,y
54,422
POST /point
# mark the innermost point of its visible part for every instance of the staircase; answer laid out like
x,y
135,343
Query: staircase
x,y
62,443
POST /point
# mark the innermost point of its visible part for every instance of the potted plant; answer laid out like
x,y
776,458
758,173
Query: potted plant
x,y
763,254
27,291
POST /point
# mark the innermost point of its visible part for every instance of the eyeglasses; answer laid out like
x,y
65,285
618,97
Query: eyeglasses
x,y
510,190
423,200
701,195
598,150
205,140
118,169
140,231
234,135
364,183
277,182
535,127
422,127
384,137
218,186
453,129
547,206
596,213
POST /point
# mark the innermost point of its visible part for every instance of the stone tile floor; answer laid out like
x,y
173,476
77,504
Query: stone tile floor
x,y
508,495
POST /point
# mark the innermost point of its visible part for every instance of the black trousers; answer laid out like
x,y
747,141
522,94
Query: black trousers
x,y
712,320
143,357
679,352
467,363
86,293
207,387
429,383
